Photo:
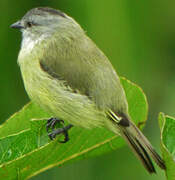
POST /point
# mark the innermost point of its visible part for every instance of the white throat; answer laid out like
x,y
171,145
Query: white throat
x,y
27,45
28,42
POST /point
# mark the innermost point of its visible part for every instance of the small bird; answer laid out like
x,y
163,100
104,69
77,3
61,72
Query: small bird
x,y
70,77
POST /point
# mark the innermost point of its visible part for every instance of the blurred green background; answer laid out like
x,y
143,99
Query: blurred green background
x,y
139,39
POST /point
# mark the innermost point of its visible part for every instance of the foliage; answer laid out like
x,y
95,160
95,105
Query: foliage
x,y
167,125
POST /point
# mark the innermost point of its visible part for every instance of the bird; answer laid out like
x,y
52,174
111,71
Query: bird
x,y
67,75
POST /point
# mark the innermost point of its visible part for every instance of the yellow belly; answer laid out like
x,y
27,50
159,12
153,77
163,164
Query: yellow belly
x,y
56,98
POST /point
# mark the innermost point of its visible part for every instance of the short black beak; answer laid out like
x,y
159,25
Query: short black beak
x,y
17,25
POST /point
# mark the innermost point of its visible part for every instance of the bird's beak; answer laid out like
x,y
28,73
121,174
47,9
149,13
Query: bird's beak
x,y
17,25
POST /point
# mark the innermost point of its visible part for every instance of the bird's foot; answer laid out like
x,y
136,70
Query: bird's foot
x,y
52,123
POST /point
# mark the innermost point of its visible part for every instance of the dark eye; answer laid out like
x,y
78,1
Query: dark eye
x,y
30,24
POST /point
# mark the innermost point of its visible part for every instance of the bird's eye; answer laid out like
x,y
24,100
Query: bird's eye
x,y
30,24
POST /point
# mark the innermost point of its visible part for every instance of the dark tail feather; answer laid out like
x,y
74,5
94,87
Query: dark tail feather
x,y
159,161
137,141
141,147
140,152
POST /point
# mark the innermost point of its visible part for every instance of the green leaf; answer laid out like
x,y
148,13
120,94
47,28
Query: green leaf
x,y
167,125
26,150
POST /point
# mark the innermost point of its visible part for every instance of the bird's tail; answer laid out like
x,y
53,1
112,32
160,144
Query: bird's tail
x,y
138,143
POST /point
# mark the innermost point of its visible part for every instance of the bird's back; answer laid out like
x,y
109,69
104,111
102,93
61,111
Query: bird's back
x,y
87,70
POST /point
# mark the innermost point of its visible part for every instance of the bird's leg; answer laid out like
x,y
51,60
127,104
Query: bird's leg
x,y
51,123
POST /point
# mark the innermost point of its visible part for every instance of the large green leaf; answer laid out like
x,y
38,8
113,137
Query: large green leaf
x,y
26,150
167,125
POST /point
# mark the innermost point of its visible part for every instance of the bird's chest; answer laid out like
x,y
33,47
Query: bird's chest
x,y
31,76
31,73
